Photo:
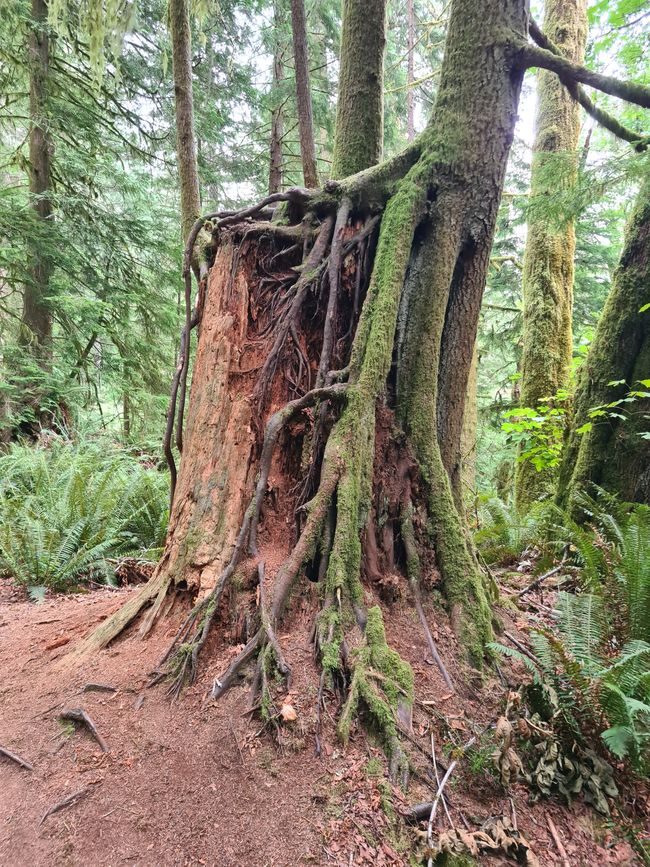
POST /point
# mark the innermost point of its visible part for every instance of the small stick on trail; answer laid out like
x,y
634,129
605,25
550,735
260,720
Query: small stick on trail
x,y
78,714
66,802
14,758
558,842
97,687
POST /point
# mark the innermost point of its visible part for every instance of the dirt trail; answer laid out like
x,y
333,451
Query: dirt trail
x,y
185,784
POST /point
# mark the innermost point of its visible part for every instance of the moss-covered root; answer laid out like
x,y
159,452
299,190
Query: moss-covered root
x,y
381,691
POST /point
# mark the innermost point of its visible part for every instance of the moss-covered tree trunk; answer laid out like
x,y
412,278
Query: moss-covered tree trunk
x,y
186,157
360,110
36,322
613,453
550,248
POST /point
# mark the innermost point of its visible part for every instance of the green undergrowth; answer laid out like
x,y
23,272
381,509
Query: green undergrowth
x,y
67,509
590,666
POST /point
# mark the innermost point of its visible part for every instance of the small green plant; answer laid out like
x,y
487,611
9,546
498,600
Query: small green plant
x,y
621,409
595,661
67,509
538,432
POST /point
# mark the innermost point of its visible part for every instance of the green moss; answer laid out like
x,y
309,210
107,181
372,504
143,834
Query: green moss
x,y
381,681
374,768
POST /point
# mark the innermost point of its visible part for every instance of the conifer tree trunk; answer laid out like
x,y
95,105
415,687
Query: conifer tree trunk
x,y
410,74
277,114
303,93
188,173
612,453
360,109
550,249
36,331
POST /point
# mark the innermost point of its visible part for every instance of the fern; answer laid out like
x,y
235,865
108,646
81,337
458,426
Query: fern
x,y
66,509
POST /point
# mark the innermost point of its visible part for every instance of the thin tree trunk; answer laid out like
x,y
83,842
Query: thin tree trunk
x,y
36,331
410,73
186,151
613,453
277,118
303,93
360,109
550,249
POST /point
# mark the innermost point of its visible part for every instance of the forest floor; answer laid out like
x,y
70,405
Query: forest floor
x,y
189,783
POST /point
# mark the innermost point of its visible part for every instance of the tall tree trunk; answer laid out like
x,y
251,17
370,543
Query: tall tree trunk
x,y
277,114
410,72
360,109
550,249
613,453
36,330
303,93
188,173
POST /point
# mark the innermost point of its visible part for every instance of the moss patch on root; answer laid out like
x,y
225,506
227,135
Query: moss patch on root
x,y
382,684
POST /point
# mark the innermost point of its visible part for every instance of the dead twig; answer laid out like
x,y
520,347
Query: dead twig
x,y
66,802
97,687
79,715
14,758
535,584
434,807
435,771
521,647
557,841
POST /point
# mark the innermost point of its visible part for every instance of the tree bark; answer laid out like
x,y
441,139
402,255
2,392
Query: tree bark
x,y
277,113
469,433
186,155
612,453
410,71
303,93
36,330
550,249
360,108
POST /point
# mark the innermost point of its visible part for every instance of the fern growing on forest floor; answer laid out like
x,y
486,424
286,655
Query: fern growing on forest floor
x,y
596,657
66,509
503,533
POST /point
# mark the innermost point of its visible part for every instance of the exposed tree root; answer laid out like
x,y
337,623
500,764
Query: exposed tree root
x,y
16,758
359,321
79,715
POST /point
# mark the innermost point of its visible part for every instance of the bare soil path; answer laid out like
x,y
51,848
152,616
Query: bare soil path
x,y
188,784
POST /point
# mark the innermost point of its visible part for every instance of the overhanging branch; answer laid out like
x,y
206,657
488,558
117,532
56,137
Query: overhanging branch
x,y
533,55
606,120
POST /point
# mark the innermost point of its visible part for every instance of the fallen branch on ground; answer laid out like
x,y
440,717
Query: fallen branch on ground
x,y
14,758
66,802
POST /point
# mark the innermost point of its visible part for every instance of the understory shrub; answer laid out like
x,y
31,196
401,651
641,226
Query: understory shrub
x,y
67,509
595,659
